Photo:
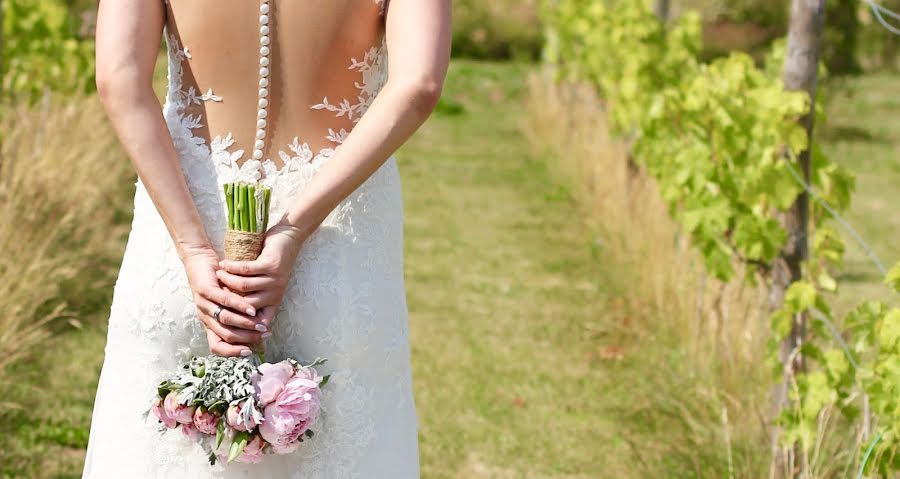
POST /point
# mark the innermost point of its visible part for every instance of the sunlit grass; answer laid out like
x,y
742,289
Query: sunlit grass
x,y
863,134
63,199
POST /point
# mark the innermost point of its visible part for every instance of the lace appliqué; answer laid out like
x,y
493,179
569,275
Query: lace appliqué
x,y
373,68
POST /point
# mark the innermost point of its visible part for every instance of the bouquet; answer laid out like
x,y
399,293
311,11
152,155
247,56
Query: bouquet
x,y
241,408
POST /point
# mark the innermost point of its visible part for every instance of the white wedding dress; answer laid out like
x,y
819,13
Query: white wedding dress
x,y
346,300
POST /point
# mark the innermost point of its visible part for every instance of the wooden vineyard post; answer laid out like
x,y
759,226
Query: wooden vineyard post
x,y
661,9
800,74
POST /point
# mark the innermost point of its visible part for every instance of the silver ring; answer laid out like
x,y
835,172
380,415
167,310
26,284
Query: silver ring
x,y
217,312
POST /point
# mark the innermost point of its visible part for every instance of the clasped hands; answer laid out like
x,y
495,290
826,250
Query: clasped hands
x,y
249,292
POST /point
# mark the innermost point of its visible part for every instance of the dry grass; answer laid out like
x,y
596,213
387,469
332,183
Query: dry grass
x,y
61,178
695,389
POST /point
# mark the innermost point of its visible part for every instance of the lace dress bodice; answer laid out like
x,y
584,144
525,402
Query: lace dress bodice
x,y
327,66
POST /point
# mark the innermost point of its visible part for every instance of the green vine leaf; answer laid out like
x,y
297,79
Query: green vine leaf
x,y
801,296
893,278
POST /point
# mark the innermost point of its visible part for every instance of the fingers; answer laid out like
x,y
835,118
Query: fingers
x,y
231,318
244,284
221,348
267,316
247,268
264,298
231,334
228,299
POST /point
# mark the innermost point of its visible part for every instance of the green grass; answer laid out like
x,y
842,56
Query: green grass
x,y
508,312
48,441
863,134
503,295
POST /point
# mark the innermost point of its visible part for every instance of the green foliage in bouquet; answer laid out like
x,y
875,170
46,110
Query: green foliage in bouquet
x,y
213,383
40,50
248,206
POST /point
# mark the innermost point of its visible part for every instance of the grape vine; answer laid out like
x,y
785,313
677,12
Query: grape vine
x,y
719,138
41,51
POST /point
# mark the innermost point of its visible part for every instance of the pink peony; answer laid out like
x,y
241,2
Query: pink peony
x,y
292,411
271,380
205,421
232,418
253,452
286,449
160,412
190,431
309,374
180,412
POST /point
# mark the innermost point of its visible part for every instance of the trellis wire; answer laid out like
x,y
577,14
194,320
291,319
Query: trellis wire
x,y
879,12
840,219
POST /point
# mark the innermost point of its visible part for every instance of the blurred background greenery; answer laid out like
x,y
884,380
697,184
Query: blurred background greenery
x,y
569,338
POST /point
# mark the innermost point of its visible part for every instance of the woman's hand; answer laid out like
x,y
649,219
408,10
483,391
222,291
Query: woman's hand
x,y
263,281
239,324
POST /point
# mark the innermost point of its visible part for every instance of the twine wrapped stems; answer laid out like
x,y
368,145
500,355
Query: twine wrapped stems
x,y
248,219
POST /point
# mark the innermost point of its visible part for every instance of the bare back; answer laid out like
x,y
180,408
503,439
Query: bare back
x,y
327,61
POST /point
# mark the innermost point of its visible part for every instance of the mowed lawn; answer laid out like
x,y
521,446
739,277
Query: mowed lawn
x,y
507,312
862,133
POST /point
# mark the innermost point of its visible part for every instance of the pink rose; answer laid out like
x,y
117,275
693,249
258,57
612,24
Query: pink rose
x,y
232,418
182,413
292,411
190,431
253,452
271,380
205,421
160,412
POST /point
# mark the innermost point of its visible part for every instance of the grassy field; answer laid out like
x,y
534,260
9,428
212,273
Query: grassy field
x,y
863,133
516,371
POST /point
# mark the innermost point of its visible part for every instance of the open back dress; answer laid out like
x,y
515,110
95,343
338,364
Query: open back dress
x,y
325,62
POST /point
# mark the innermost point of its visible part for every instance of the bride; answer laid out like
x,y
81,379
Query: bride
x,y
298,95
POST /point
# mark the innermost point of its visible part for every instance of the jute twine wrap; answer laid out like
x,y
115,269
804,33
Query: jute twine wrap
x,y
245,246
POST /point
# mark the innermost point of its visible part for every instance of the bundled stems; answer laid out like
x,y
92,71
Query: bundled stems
x,y
251,208
248,206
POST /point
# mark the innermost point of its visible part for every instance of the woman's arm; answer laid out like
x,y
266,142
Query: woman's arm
x,y
128,39
418,42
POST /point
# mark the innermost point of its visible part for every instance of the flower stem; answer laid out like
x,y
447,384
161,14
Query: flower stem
x,y
245,213
236,200
251,210
268,194
229,188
